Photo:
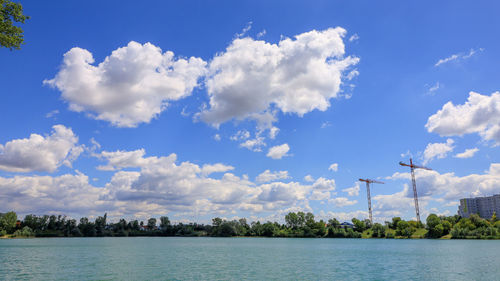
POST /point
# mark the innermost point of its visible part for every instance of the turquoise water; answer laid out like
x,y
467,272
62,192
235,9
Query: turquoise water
x,y
174,258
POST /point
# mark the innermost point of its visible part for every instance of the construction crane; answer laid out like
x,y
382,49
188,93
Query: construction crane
x,y
415,196
368,181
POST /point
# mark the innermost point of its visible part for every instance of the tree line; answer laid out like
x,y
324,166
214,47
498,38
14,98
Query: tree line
x,y
298,224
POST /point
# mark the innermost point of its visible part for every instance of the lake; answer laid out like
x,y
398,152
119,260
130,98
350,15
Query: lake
x,y
180,258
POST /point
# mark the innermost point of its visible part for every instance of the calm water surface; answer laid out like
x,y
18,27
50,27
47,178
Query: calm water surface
x,y
247,259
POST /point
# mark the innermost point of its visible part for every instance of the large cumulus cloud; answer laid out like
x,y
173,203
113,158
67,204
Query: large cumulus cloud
x,y
131,86
299,75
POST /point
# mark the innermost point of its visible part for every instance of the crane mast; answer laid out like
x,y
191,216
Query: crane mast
x,y
414,184
368,181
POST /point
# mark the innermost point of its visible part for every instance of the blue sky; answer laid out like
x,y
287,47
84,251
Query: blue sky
x,y
112,90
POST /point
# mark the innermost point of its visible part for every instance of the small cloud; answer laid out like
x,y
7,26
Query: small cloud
x,y
342,202
437,150
309,178
262,33
184,112
273,132
334,167
352,74
433,89
217,137
354,37
468,153
352,191
406,154
51,114
277,152
326,124
245,30
254,144
458,57
240,135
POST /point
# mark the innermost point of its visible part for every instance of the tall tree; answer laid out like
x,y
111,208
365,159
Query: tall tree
x,y
8,221
11,36
151,223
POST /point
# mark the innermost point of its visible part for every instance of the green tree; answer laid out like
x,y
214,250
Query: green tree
x,y
216,222
301,219
446,226
292,220
151,223
394,223
100,225
433,221
334,223
309,219
378,230
164,224
359,225
11,36
268,229
8,222
404,229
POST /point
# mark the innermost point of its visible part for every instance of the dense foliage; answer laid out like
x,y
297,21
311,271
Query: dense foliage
x,y
298,224
11,36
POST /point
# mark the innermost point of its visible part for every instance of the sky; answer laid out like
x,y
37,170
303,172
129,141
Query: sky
x,y
203,109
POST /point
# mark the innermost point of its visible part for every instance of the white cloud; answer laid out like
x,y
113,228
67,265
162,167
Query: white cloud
x,y
245,30
342,202
267,176
401,201
273,132
438,150
45,194
208,169
448,59
434,88
119,159
255,144
334,167
320,195
217,137
351,76
240,135
131,86
262,33
308,178
295,76
325,124
468,153
51,114
458,56
278,151
324,184
39,153
354,37
160,185
480,114
352,191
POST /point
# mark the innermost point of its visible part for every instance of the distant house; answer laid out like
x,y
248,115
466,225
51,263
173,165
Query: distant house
x,y
347,225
